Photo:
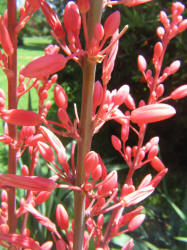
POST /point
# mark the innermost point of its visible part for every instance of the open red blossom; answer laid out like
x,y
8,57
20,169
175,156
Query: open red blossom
x,y
34,183
46,222
138,195
152,113
20,240
21,117
44,66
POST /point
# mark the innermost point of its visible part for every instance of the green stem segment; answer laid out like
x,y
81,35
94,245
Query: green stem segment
x,y
12,104
85,131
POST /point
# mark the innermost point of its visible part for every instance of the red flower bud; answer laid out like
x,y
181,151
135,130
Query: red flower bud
x,y
179,92
44,66
46,151
109,183
72,19
62,217
96,173
42,197
98,32
142,64
174,67
157,164
60,97
130,3
5,38
21,117
91,161
152,113
116,142
112,23
84,5
136,222
121,95
98,94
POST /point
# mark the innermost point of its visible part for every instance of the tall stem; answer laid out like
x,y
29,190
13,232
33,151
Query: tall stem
x,y
12,104
84,143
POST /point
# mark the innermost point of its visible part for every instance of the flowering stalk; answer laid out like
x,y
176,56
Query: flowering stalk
x,y
12,104
84,143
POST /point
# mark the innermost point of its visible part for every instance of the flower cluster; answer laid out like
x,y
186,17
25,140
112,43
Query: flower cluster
x,y
97,191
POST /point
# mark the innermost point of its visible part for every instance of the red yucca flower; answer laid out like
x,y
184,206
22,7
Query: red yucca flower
x,y
152,113
21,117
44,66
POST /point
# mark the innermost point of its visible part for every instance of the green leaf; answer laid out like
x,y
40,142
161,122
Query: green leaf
x,y
180,238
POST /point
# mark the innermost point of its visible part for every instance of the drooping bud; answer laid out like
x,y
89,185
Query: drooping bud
x,y
60,97
152,113
142,64
179,92
44,66
136,222
46,152
157,164
111,24
21,117
62,217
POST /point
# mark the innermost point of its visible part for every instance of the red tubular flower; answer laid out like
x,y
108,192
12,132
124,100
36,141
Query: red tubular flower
x,y
62,217
34,183
46,222
157,164
152,113
20,240
179,92
130,3
60,97
126,218
5,38
53,20
53,140
44,66
21,117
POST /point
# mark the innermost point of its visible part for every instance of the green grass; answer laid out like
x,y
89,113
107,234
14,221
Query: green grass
x,y
33,47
